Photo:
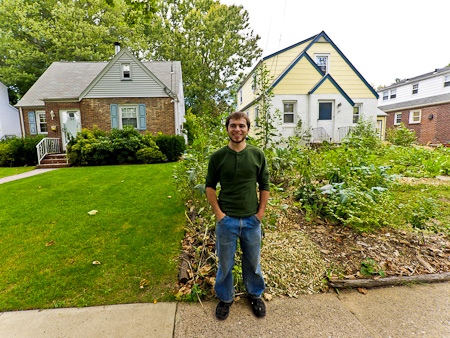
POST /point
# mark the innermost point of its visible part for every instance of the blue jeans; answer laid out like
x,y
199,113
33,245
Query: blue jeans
x,y
248,230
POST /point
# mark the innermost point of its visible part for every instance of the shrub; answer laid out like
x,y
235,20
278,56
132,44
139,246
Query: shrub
x,y
401,135
364,134
150,155
173,146
19,151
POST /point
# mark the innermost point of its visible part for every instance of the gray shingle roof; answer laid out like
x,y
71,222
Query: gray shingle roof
x,y
443,98
67,80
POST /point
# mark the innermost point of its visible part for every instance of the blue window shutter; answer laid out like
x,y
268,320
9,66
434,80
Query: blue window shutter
x,y
114,116
142,117
32,122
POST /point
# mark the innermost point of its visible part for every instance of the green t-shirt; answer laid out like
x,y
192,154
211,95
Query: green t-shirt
x,y
238,173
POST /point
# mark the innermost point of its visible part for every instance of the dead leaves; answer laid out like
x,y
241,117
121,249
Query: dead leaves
x,y
50,243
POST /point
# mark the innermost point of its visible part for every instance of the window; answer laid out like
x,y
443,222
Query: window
x,y
41,122
325,110
240,95
288,112
356,113
393,93
385,95
128,116
322,62
126,71
415,88
255,82
414,116
397,118
256,116
447,81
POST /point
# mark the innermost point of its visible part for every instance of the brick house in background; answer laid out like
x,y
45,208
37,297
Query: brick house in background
x,y
70,96
422,103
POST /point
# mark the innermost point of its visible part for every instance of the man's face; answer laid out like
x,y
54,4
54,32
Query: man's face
x,y
237,130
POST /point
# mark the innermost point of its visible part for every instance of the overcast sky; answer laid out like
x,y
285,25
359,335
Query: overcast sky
x,y
384,40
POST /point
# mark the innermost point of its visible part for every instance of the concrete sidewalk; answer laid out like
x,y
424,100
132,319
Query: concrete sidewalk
x,y
401,312
23,175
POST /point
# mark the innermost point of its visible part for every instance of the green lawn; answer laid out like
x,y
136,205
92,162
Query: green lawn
x,y
48,241
13,171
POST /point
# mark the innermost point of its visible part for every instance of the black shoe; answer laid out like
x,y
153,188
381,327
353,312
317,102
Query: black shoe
x,y
222,310
258,307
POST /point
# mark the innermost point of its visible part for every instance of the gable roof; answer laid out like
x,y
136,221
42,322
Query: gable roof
x,y
321,37
436,72
330,78
70,80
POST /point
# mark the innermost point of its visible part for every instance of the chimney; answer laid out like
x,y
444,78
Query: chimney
x,y
116,47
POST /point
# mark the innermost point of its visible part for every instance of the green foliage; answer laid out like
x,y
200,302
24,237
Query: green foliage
x,y
94,147
173,146
35,33
266,130
369,268
215,44
150,155
401,136
19,151
364,134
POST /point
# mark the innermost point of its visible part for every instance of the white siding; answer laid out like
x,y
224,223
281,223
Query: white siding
x,y
427,87
112,85
9,116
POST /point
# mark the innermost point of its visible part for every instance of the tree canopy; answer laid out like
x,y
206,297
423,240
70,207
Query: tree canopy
x,y
213,41
34,33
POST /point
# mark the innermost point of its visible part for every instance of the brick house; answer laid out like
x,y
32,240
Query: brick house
x,y
422,103
70,96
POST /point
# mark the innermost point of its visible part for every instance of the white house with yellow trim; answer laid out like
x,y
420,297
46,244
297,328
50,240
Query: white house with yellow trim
x,y
312,81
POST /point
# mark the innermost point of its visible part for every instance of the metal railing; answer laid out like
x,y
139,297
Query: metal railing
x,y
48,146
343,132
320,135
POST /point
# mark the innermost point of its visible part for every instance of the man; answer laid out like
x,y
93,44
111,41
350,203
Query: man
x,y
238,167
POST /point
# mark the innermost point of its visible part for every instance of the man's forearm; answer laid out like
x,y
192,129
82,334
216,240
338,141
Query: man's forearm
x,y
263,200
212,199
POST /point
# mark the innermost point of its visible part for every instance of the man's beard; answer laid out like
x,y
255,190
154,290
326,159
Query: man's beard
x,y
242,140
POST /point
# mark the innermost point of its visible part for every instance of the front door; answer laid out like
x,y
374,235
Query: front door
x,y
325,123
70,125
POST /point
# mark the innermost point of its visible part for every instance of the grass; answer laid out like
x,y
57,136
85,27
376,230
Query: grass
x,y
4,172
48,242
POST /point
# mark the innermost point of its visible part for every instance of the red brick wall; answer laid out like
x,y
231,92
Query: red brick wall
x,y
428,130
96,112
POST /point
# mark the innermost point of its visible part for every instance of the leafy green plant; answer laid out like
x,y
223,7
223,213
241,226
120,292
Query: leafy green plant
x,y
369,267
173,146
401,135
19,151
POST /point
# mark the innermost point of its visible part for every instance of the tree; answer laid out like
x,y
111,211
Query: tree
x,y
213,42
34,33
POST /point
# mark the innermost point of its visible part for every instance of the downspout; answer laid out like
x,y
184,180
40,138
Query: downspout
x,y
21,122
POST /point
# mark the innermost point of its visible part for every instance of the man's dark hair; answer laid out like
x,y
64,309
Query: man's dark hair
x,y
237,116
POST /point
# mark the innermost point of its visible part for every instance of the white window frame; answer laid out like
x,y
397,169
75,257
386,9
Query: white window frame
x,y
446,80
256,116
293,113
415,88
415,119
122,71
393,94
397,119
38,122
122,106
386,95
358,115
240,95
327,65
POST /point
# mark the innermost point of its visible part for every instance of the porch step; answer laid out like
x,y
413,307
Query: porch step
x,y
54,161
